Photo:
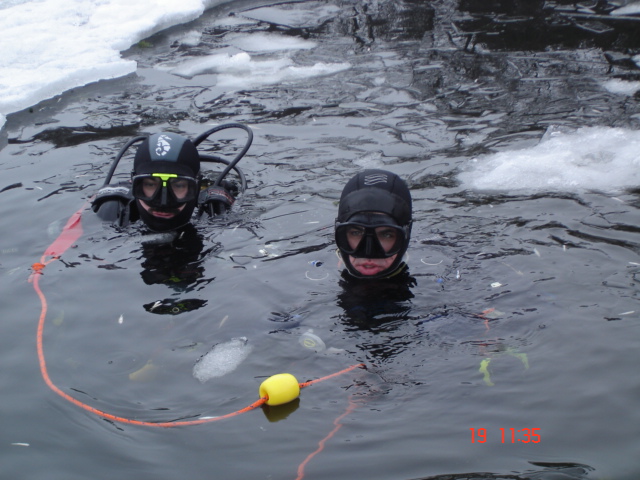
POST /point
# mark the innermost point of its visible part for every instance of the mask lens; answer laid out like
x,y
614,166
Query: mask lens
x,y
181,188
164,189
389,238
150,186
354,235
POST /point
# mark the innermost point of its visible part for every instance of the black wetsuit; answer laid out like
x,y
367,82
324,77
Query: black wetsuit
x,y
368,303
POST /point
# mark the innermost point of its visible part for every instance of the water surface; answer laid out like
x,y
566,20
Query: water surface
x,y
535,276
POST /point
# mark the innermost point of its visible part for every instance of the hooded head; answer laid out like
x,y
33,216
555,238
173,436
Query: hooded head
x,y
165,180
373,227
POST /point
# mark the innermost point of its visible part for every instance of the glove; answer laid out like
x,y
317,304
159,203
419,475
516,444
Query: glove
x,y
110,202
118,192
216,200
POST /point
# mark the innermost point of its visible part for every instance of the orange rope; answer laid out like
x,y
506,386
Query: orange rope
x,y
486,319
70,233
321,379
350,408
108,416
45,375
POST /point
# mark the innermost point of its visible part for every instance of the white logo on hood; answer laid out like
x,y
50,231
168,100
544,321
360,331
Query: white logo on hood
x,y
163,145
375,178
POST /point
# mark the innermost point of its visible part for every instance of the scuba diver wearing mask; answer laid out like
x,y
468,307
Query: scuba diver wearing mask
x,y
166,183
372,233
373,226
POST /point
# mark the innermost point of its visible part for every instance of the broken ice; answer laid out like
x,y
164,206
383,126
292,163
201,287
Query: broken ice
x,y
222,359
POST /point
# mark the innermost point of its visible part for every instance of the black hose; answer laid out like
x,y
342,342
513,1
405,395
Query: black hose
x,y
214,159
119,156
207,158
231,165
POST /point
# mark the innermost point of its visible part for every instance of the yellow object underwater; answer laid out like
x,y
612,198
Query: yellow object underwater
x,y
144,374
484,365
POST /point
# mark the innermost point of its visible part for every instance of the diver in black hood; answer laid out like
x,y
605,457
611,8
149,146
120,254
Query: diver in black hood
x,y
166,183
373,227
372,233
165,188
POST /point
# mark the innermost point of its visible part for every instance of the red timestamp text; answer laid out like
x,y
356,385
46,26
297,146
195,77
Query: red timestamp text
x,y
509,435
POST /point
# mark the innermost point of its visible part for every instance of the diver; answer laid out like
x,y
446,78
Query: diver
x,y
372,233
373,227
165,187
167,184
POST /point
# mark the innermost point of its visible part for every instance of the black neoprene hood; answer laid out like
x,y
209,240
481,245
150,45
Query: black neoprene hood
x,y
167,153
376,191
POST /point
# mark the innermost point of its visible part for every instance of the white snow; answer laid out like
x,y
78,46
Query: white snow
x,y
50,46
594,158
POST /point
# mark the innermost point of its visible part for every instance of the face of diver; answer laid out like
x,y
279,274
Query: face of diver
x,y
373,225
387,238
165,181
150,186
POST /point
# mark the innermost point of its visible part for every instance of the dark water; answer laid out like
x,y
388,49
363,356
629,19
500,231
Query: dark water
x,y
431,85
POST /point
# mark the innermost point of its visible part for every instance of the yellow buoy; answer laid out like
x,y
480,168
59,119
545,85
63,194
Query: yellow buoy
x,y
280,389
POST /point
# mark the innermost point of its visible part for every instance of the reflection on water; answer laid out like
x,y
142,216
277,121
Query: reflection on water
x,y
371,304
546,471
522,306
177,264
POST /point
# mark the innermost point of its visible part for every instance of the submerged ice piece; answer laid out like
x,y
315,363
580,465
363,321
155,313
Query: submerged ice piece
x,y
222,359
